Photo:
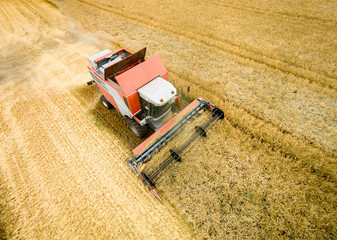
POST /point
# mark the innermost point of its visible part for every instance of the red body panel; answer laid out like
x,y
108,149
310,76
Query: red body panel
x,y
107,96
103,91
164,128
133,101
141,74
165,76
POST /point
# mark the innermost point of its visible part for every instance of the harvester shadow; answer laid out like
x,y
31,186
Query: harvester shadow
x,y
107,120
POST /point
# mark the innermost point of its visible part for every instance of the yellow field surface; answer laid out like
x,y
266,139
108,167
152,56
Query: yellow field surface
x,y
269,172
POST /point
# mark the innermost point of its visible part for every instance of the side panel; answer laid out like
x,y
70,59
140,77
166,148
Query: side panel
x,y
165,76
134,104
108,96
126,62
101,57
112,92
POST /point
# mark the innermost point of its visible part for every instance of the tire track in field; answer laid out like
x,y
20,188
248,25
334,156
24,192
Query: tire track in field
x,y
305,19
76,168
33,8
26,11
8,20
22,193
72,172
23,13
234,49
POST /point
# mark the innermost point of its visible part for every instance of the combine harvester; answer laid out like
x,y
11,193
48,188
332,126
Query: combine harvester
x,y
139,89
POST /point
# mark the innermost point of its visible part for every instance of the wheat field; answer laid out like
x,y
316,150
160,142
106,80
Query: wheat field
x,y
268,172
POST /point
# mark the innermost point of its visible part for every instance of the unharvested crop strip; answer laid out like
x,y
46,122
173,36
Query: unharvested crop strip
x,y
305,18
279,128
284,147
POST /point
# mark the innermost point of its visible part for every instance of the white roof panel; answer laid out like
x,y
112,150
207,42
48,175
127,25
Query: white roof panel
x,y
156,90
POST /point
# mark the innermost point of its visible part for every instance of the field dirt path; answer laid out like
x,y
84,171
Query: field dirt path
x,y
61,176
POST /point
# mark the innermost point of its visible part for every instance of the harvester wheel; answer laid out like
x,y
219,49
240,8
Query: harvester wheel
x,y
136,128
106,103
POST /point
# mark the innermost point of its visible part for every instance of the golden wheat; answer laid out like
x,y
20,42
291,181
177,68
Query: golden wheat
x,y
270,172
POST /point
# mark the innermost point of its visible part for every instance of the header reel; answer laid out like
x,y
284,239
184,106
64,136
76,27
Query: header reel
x,y
154,174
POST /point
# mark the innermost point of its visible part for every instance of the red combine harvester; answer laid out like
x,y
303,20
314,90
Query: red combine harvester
x,y
139,89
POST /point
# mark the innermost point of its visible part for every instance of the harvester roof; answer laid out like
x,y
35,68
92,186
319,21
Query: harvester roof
x,y
143,73
158,91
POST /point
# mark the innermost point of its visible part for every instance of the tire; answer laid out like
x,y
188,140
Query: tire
x,y
106,103
136,128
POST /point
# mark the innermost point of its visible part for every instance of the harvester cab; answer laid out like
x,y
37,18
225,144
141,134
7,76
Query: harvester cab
x,y
139,89
157,98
